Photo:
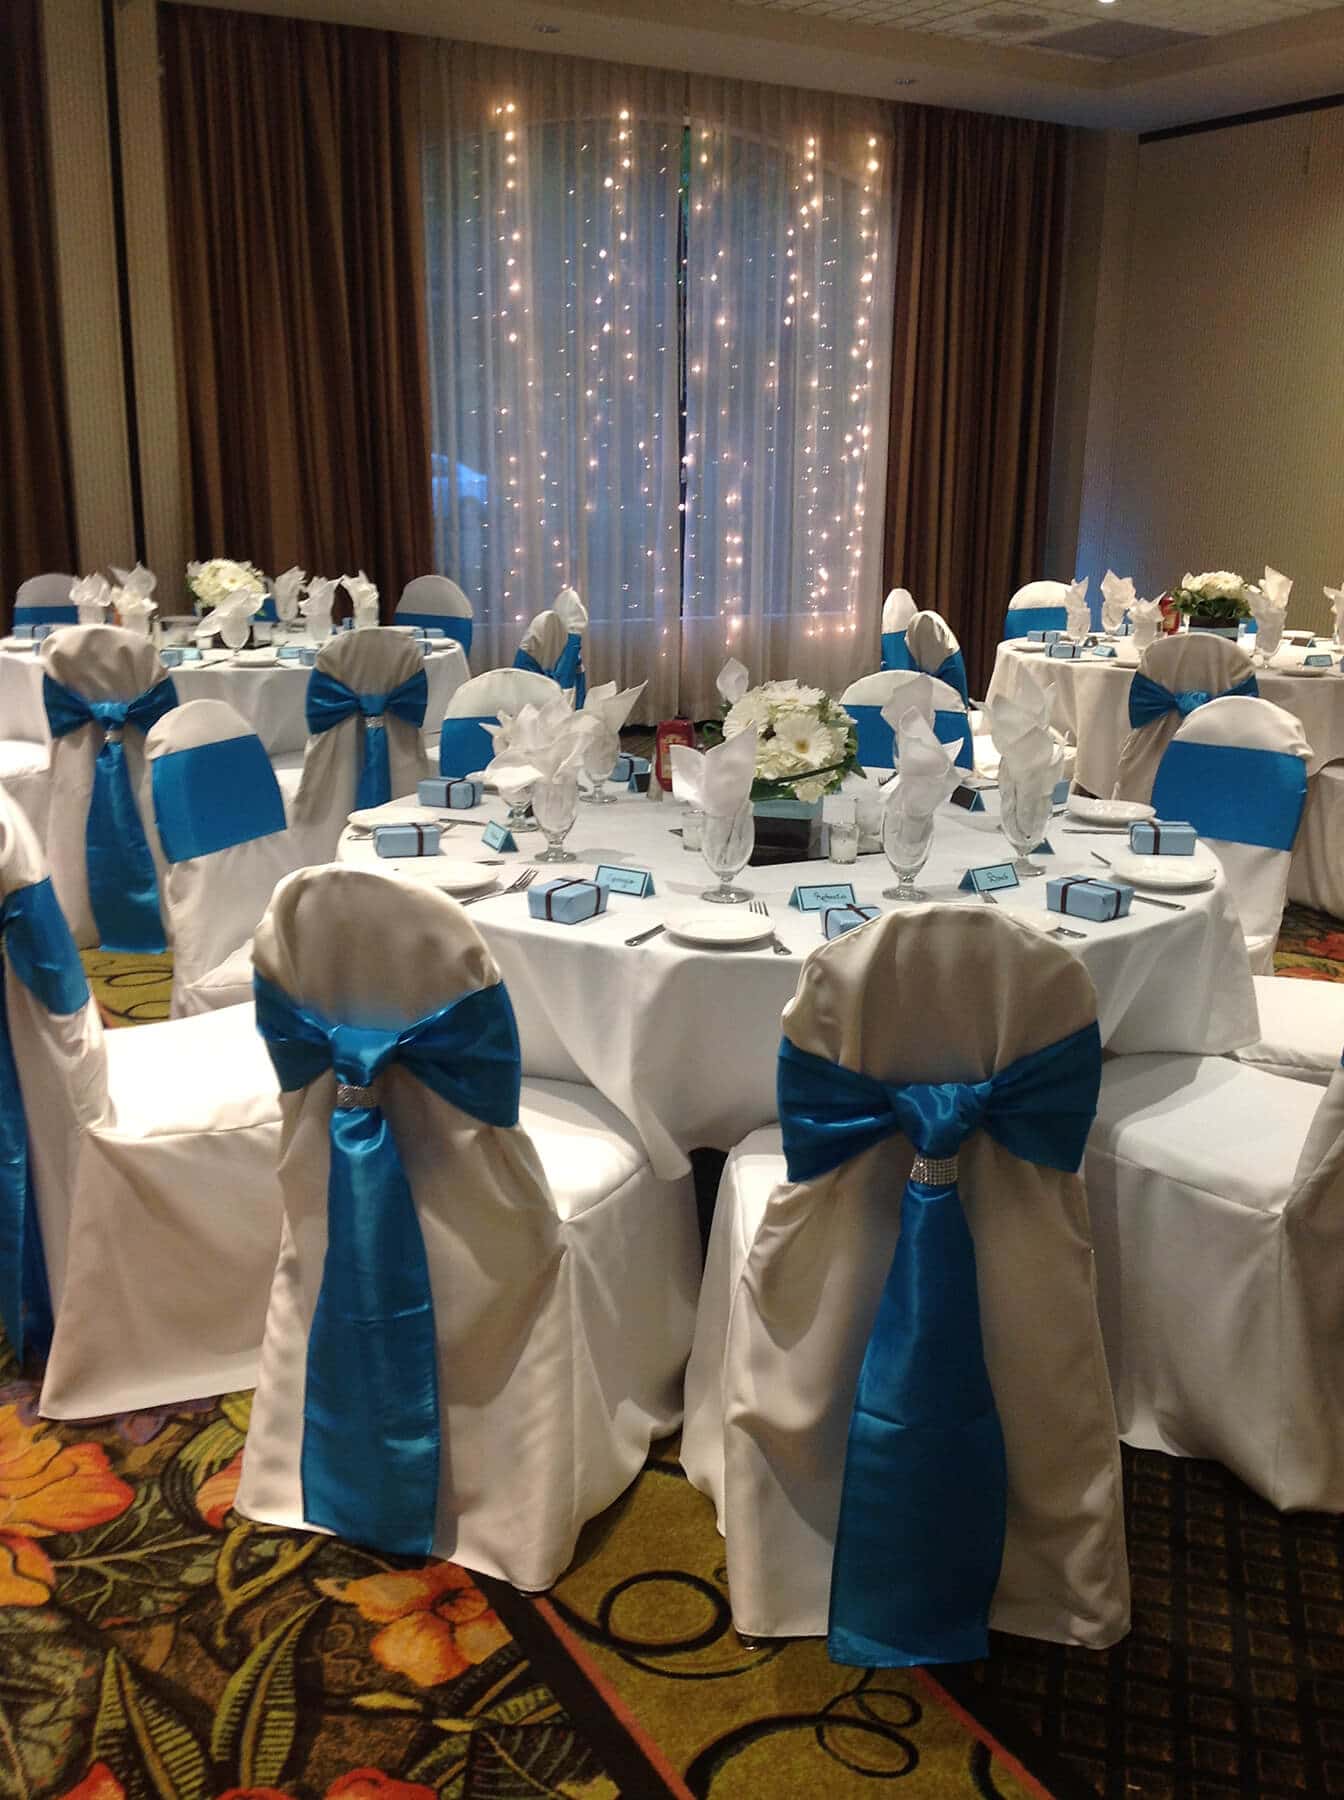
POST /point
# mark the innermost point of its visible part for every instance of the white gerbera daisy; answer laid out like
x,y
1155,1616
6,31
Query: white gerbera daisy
x,y
813,744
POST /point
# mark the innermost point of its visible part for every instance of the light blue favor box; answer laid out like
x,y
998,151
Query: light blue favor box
x,y
22,634
836,920
1044,637
1061,651
566,901
1085,897
406,840
628,769
1162,837
171,657
440,791
308,655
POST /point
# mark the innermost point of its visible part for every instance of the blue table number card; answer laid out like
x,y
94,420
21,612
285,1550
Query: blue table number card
x,y
1060,797
619,880
498,837
989,878
968,798
815,899
1318,660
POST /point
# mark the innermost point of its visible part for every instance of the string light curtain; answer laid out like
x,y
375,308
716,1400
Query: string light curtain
x,y
788,324
551,216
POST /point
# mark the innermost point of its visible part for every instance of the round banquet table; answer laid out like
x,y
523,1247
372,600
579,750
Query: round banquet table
x,y
683,1041
1091,702
269,695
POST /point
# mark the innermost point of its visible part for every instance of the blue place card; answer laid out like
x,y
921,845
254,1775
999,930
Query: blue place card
x,y
815,899
989,878
620,880
968,798
1060,797
1317,660
1103,650
498,837
1044,848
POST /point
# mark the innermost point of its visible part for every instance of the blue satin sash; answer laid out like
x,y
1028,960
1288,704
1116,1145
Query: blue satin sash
x,y
1233,793
46,615
450,624
569,670
1021,621
1149,700
464,746
41,952
329,701
524,659
369,1462
952,670
923,1507
123,887
877,741
213,796
894,653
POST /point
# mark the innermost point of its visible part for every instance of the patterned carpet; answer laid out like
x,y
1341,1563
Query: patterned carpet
x,y
154,1646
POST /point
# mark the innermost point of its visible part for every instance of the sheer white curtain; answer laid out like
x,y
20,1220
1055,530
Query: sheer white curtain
x,y
788,357
551,211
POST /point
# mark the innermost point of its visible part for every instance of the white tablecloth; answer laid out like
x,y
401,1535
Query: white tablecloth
x,y
684,1040
269,696
1091,702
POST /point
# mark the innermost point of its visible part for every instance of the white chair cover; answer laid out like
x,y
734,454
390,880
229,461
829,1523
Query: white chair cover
x,y
102,662
933,647
486,697
898,609
372,661
877,749
544,639
1301,1028
431,599
153,1155
1184,662
45,600
563,1272
1216,1193
795,1272
1258,876
214,898
25,775
1317,875
1039,606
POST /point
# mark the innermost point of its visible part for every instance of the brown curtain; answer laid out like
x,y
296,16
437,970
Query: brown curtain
x,y
298,254
978,253
37,508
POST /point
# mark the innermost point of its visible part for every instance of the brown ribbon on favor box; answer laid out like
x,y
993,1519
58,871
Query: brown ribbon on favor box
x,y
572,882
1073,881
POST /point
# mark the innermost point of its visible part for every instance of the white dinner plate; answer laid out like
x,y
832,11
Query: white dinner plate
x,y
1301,669
1116,815
260,658
1174,873
1028,648
440,872
723,929
398,812
11,643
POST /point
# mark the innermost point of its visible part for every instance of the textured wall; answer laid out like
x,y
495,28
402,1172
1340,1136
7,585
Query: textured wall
x,y
1227,449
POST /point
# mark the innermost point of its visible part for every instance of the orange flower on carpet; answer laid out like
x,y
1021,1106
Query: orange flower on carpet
x,y
46,1487
437,1622
372,1784
99,1784
214,1499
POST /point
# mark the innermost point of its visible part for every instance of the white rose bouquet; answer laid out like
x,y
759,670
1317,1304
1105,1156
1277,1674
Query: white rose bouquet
x,y
805,745
1219,595
211,583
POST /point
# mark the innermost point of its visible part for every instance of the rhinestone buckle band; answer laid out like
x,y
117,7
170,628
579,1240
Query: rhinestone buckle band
x,y
375,722
349,1097
935,1171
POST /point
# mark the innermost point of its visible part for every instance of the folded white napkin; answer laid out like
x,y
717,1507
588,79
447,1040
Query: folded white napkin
x,y
717,781
538,743
1029,750
732,681
614,708
1146,618
138,581
570,610
1336,598
135,610
286,589
1117,596
363,597
92,596
1079,612
909,690
1271,596
316,607
927,772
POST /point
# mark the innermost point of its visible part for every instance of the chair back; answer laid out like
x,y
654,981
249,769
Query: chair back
x,y
897,611
569,670
342,763
221,821
446,1200
45,600
464,746
1190,667
935,994
934,649
543,644
1237,771
104,849
437,604
942,705
1039,606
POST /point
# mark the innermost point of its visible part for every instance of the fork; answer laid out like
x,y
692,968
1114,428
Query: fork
x,y
759,907
524,879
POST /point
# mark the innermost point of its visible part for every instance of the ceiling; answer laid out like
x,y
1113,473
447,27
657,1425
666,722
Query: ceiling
x,y
1134,65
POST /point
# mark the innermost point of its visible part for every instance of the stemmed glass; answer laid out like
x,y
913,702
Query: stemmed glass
x,y
599,759
1268,637
555,804
907,839
726,844
1024,809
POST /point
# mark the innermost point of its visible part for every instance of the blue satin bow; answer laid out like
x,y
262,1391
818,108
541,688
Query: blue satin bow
x,y
329,701
212,796
895,655
1149,700
1233,793
370,1457
123,887
919,1542
450,624
952,670
41,952
567,669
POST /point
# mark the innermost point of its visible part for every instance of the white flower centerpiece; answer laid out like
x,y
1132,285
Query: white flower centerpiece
x,y
806,742
1217,600
212,584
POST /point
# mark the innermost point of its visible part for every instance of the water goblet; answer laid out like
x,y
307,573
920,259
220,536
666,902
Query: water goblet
x,y
727,841
1268,637
1024,808
555,804
907,839
599,759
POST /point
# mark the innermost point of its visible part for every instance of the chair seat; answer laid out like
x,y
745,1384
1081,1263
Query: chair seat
x,y
229,983
18,757
1301,1029
207,1073
1316,877
1207,1122
288,766
587,1149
